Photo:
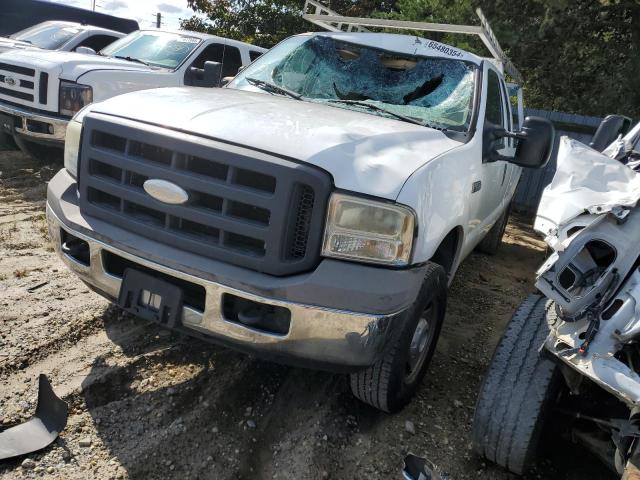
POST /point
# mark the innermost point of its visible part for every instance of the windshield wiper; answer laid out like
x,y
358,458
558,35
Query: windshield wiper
x,y
132,59
272,88
373,106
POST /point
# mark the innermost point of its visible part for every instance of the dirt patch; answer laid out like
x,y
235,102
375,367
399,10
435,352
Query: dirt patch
x,y
147,403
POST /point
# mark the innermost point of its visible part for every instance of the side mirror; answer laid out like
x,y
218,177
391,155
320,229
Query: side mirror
x,y
609,129
242,67
212,74
535,143
225,81
85,50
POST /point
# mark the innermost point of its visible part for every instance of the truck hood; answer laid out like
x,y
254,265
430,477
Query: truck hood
x,y
364,153
69,65
11,44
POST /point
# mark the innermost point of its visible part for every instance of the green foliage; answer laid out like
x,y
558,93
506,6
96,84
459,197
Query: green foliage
x,y
577,56
266,22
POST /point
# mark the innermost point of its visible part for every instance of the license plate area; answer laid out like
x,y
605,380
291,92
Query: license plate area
x,y
7,124
151,298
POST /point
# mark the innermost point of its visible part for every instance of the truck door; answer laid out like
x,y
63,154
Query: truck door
x,y
494,173
511,171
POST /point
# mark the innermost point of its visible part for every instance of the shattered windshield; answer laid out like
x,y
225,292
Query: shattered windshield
x,y
161,49
435,92
46,35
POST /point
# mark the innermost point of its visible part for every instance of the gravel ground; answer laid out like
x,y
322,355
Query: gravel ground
x,y
147,403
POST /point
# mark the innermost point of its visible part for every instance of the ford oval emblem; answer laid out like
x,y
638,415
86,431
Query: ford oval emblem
x,y
10,81
166,192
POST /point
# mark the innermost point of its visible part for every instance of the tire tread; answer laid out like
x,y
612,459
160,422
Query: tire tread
x,y
516,390
373,385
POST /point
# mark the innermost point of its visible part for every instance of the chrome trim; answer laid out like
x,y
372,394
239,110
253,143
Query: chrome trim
x,y
165,191
317,334
59,124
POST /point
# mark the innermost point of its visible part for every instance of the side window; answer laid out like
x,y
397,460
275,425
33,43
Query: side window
x,y
98,42
495,108
232,62
254,54
507,104
211,53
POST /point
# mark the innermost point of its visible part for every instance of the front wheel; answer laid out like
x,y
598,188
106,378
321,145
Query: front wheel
x,y
390,383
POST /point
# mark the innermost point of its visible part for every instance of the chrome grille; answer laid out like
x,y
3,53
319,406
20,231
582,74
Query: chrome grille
x,y
18,83
245,207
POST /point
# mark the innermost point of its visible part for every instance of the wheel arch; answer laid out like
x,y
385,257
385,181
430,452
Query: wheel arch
x,y
448,251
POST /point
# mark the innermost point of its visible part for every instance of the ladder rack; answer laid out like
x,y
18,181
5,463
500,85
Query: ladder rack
x,y
318,14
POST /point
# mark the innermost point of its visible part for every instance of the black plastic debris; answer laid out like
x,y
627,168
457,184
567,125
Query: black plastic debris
x,y
41,430
418,468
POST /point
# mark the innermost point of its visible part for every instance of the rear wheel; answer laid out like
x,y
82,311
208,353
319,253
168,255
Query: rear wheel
x,y
391,382
519,387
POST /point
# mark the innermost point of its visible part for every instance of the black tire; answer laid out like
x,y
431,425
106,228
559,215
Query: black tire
x,y
42,153
491,242
519,387
390,383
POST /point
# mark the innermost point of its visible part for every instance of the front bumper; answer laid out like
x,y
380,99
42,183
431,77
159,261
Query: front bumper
x,y
36,126
319,335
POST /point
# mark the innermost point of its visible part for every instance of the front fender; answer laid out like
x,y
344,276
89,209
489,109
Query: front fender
x,y
439,194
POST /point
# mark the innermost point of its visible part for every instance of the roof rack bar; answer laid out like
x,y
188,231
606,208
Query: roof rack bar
x,y
491,42
316,9
324,17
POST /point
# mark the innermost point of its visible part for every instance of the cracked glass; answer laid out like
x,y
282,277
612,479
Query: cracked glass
x,y
437,92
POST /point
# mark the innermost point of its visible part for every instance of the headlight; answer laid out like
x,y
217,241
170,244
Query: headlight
x,y
73,97
369,231
72,147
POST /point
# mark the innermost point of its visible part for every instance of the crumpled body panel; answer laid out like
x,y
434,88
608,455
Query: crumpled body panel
x,y
585,180
591,220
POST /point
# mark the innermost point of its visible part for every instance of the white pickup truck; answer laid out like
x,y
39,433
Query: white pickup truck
x,y
41,90
60,36
312,211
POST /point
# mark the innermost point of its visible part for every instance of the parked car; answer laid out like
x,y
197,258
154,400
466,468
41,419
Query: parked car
x,y
569,358
42,90
313,211
60,36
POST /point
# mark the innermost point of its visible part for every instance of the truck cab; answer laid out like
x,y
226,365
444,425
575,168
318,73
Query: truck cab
x,y
42,90
313,211
60,36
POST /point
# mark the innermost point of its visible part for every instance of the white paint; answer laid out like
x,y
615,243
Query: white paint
x,y
367,154
84,32
364,153
107,76
585,180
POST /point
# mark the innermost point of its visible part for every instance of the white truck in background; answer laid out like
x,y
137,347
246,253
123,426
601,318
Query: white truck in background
x,y
61,36
41,90
314,209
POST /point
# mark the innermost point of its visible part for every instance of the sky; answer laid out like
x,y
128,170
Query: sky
x,y
144,11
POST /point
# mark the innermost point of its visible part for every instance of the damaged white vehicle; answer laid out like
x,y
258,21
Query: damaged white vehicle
x,y
574,351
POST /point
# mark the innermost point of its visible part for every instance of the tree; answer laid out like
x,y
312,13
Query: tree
x,y
266,22
577,56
